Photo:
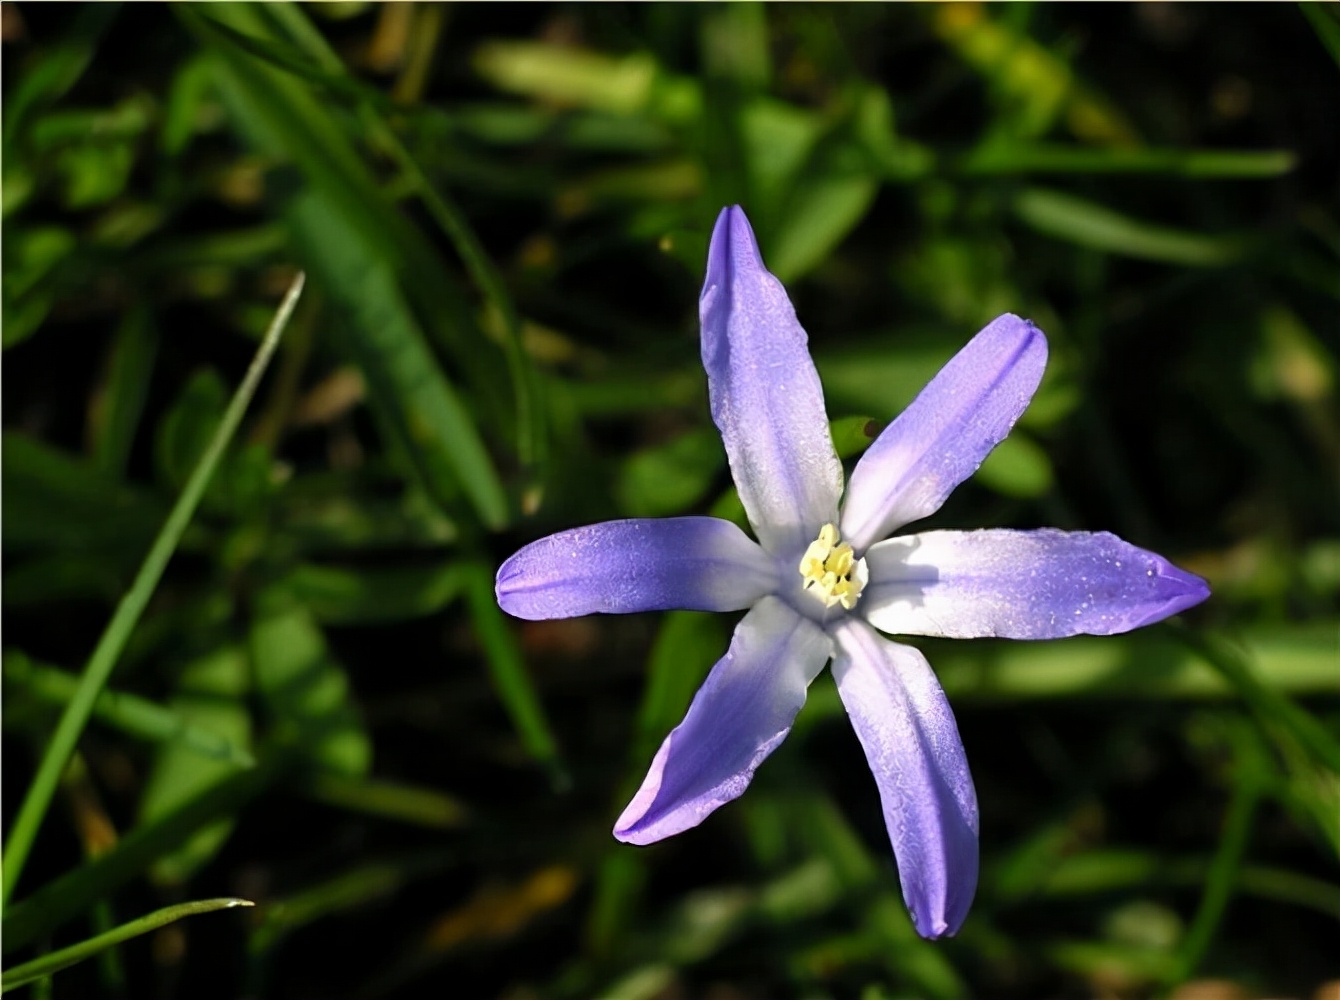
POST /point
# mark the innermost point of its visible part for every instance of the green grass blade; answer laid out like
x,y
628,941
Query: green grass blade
x,y
1055,873
55,501
1159,663
115,413
531,438
565,75
411,804
1008,158
620,881
128,612
131,714
54,961
211,690
1088,224
508,668
305,688
1326,24
72,893
1222,876
377,268
343,596
349,890
1270,705
60,68
1034,87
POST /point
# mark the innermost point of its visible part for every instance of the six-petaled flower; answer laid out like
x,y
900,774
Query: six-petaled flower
x,y
825,578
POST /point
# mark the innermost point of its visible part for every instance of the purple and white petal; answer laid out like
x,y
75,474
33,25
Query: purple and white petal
x,y
905,725
1042,584
765,394
643,564
741,714
946,432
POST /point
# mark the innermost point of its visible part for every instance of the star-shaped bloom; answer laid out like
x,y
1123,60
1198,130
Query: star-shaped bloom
x,y
825,579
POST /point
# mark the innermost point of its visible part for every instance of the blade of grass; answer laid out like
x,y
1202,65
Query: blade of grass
x,y
128,612
1269,704
1250,777
330,71
97,835
425,807
1153,663
1001,158
1089,224
530,427
54,961
377,267
508,668
1327,26
340,595
1033,87
115,411
55,501
348,890
1122,869
305,688
131,714
60,67
211,690
71,894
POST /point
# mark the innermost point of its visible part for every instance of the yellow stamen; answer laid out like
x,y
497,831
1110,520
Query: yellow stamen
x,y
827,570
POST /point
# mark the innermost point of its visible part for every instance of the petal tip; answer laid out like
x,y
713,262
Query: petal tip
x,y
945,921
629,835
1026,331
503,584
1180,589
733,246
514,588
642,826
932,929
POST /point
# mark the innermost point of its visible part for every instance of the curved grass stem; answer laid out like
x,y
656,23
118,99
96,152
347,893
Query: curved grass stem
x,y
128,612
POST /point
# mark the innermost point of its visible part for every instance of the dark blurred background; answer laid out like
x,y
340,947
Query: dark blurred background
x,y
502,211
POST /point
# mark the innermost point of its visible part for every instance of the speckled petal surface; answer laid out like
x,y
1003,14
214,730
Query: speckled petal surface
x,y
1043,584
765,393
946,432
691,563
911,742
741,714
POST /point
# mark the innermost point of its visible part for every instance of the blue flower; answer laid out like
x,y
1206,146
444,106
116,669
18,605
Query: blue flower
x,y
825,579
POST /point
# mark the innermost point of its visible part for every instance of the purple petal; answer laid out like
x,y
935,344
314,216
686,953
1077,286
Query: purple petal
x,y
904,722
765,393
946,432
692,563
741,714
1021,585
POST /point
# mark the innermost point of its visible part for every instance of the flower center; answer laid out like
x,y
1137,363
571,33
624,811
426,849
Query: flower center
x,y
830,571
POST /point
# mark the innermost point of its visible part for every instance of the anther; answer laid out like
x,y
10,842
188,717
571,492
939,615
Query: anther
x,y
829,570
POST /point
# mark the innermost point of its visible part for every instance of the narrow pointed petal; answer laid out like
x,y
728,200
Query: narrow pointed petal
x,y
946,432
1042,584
643,564
741,714
765,394
905,725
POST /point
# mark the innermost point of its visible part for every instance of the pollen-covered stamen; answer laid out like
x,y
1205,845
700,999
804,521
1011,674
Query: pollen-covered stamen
x,y
830,570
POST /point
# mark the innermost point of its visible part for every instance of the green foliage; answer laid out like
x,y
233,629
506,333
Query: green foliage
x,y
262,612
40,968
